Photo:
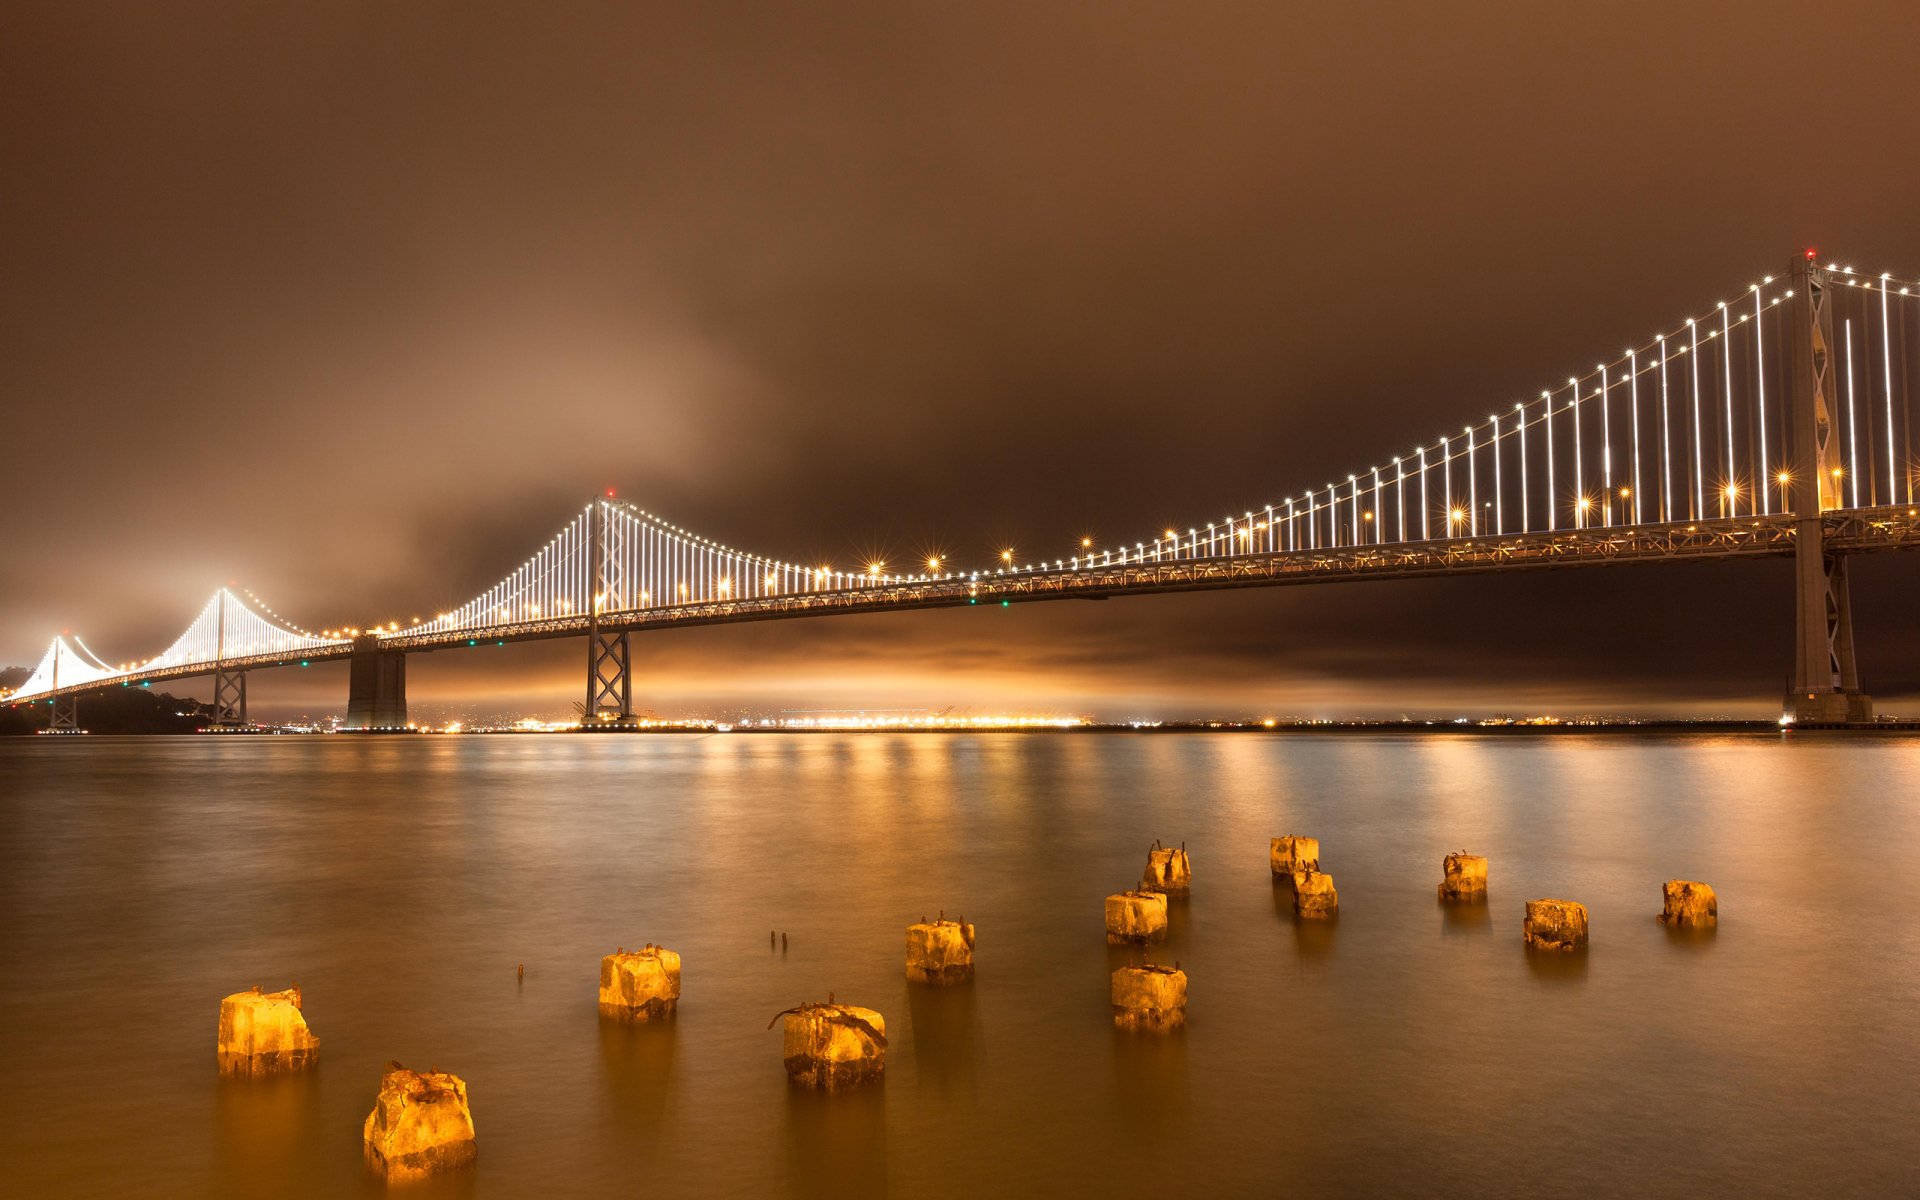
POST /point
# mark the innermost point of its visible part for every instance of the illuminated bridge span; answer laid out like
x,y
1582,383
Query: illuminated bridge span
x,y
1778,423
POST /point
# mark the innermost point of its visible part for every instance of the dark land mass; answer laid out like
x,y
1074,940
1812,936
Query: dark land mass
x,y
118,710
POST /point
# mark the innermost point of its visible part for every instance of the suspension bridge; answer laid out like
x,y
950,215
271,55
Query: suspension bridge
x,y
1778,423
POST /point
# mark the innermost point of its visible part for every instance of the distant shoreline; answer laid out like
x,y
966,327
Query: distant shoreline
x,y
1898,728
1769,728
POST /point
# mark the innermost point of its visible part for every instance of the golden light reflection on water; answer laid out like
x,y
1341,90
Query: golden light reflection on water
x,y
1767,1053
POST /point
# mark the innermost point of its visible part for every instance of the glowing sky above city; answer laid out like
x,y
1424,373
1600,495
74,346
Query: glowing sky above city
x,y
356,307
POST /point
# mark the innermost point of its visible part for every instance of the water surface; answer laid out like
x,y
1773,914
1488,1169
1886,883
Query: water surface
x,y
1406,1049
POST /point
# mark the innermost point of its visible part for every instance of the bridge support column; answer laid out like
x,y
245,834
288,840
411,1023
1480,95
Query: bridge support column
x,y
66,715
609,654
229,699
609,682
1826,679
376,687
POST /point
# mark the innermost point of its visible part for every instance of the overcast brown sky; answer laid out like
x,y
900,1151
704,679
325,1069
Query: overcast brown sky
x,y
356,302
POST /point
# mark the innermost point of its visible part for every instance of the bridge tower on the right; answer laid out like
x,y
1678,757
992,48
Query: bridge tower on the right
x,y
1826,678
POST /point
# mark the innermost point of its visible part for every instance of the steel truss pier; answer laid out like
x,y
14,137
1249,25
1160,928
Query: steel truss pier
x,y
230,699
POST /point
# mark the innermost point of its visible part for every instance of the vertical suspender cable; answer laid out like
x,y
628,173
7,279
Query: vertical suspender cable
x,y
1762,477
1886,371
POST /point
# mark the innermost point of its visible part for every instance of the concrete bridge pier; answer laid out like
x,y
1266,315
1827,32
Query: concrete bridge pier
x,y
376,687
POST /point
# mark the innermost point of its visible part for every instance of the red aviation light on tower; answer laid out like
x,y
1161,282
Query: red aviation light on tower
x,y
1811,253
609,493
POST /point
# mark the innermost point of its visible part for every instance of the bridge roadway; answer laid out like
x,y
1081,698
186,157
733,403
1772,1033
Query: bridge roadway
x,y
1847,531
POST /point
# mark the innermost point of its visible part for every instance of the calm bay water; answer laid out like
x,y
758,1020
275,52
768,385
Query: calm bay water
x,y
1405,1049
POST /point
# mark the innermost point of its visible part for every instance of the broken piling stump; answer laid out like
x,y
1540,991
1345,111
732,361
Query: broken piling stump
x,y
640,985
1688,902
420,1125
831,1046
1555,925
1293,853
1149,997
264,1033
1463,876
1167,869
940,951
1136,917
1314,896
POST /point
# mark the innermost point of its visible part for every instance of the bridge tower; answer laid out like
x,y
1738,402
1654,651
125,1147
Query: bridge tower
x,y
1826,679
609,653
229,687
65,717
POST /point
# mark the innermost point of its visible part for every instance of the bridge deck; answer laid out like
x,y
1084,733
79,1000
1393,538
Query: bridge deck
x,y
1854,531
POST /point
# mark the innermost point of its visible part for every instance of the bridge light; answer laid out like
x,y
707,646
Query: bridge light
x,y
1006,556
1171,534
933,564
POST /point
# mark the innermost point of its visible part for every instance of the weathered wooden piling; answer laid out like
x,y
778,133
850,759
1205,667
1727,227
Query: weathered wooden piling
x,y
1167,869
640,985
831,1046
420,1125
1293,853
1136,917
264,1033
1314,896
1463,877
1149,997
1555,925
940,951
1688,902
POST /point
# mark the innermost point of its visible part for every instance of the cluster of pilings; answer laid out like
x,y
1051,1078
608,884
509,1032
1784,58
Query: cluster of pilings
x,y
422,1124
1153,997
